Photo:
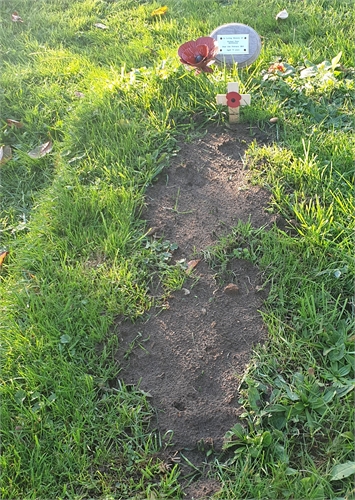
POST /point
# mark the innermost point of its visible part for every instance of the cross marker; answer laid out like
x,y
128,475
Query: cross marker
x,y
233,100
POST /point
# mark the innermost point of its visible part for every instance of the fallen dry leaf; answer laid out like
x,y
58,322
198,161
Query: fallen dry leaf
x,y
14,123
78,94
16,18
276,67
41,150
2,256
5,154
101,26
160,11
191,265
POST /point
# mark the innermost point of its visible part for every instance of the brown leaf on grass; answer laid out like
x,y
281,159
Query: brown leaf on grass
x,y
78,94
5,154
14,123
41,150
16,18
101,26
191,265
2,256
160,11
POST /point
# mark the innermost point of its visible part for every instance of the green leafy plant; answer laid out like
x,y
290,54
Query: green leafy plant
x,y
302,401
160,252
247,443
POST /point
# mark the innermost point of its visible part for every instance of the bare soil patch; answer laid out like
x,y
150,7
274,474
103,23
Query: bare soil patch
x,y
192,355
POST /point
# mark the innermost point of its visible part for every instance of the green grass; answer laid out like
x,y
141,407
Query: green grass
x,y
78,255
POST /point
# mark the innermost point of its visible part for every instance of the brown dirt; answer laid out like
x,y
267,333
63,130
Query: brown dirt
x,y
191,356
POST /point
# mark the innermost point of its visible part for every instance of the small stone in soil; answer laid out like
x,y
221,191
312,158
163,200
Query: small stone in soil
x,y
231,289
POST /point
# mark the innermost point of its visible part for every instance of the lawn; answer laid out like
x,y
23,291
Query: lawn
x,y
93,100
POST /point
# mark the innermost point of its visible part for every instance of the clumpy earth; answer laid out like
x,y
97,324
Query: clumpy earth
x,y
191,355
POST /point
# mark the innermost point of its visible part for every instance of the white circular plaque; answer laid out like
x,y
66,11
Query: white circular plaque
x,y
237,43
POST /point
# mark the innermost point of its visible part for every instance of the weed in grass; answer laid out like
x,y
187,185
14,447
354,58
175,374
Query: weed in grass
x,y
137,341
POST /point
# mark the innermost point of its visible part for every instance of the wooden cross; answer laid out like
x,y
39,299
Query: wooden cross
x,y
233,100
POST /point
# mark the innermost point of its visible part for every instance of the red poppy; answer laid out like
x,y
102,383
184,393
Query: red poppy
x,y
233,99
199,53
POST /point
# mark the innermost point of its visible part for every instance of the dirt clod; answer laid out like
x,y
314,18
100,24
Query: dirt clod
x,y
231,289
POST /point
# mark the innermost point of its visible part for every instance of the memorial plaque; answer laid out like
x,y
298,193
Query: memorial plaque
x,y
237,43
233,44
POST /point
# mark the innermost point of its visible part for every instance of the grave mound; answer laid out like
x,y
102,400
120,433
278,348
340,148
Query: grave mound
x,y
197,348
